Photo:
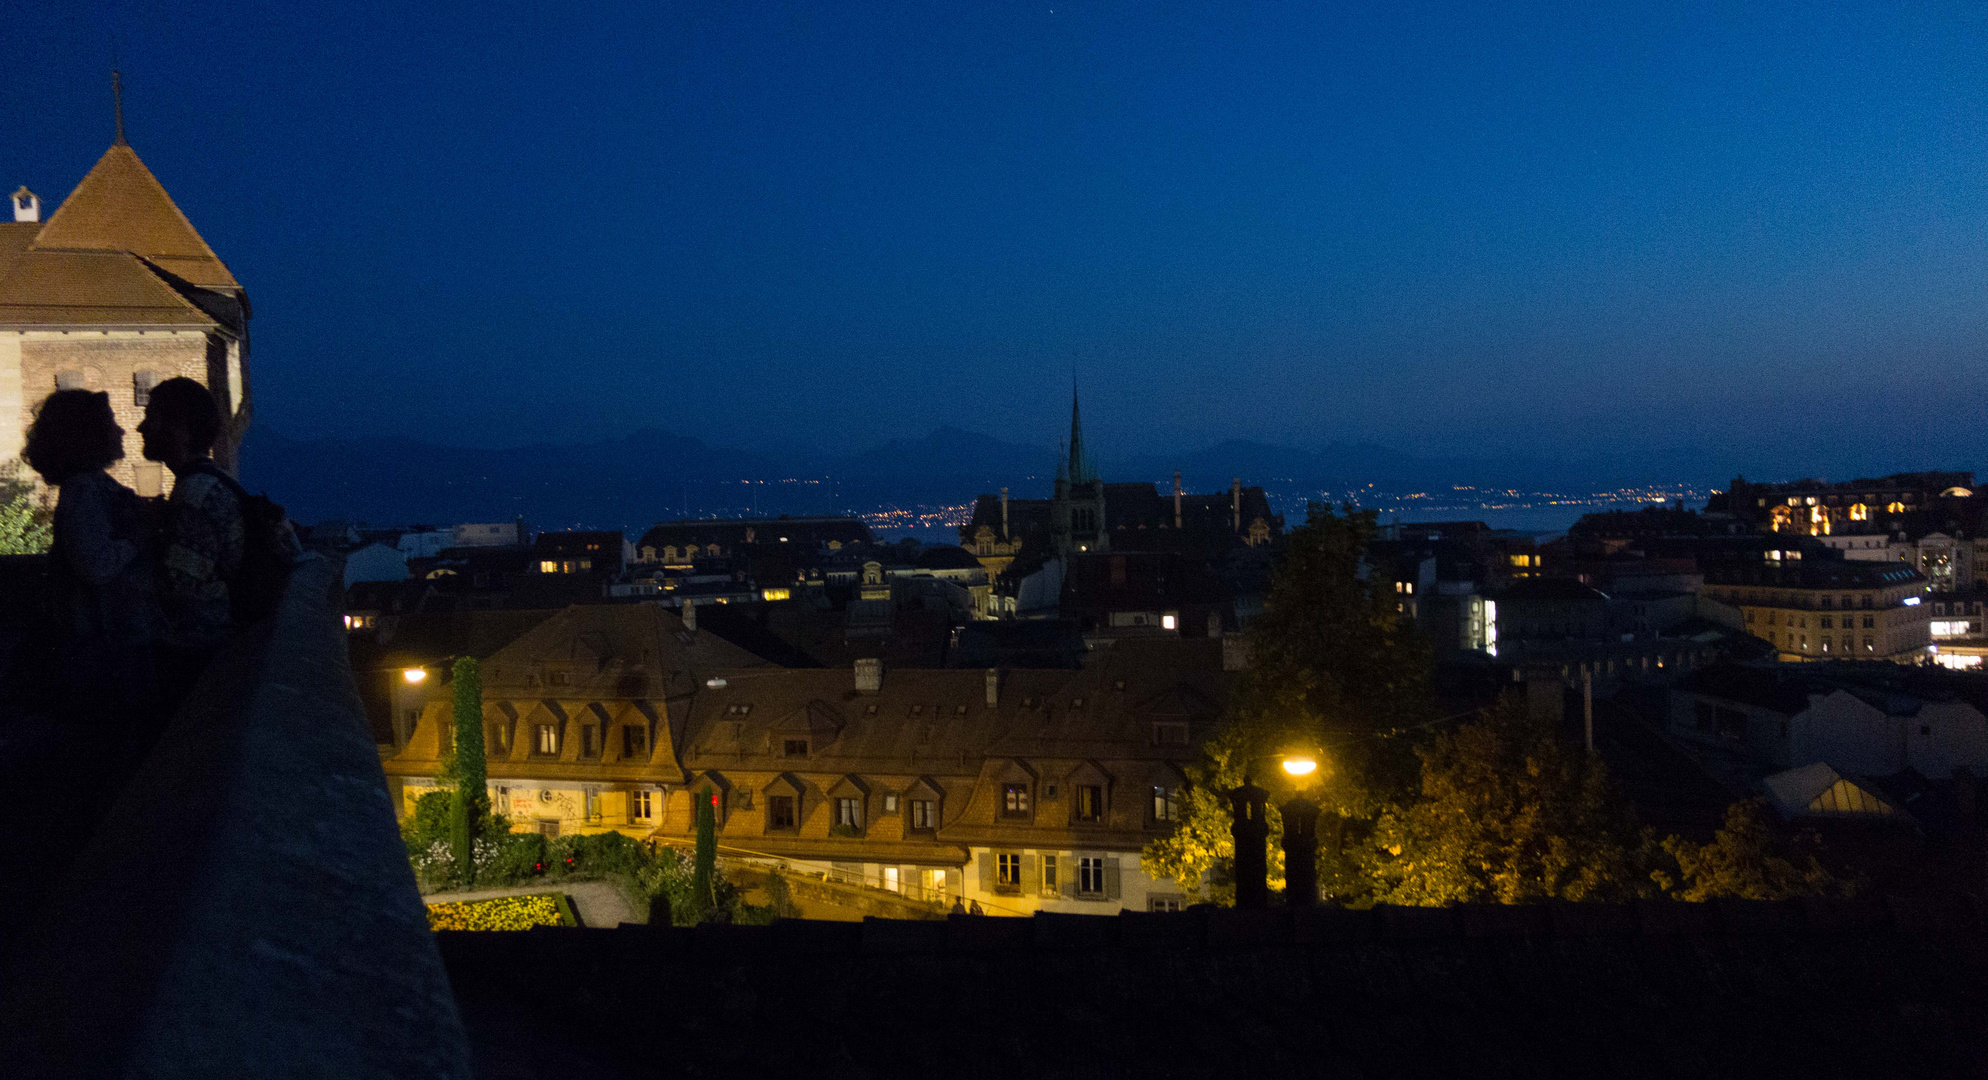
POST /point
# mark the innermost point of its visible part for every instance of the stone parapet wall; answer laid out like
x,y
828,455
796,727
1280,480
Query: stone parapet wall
x,y
1733,989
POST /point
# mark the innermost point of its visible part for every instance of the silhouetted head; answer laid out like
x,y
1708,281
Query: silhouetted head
x,y
181,422
74,432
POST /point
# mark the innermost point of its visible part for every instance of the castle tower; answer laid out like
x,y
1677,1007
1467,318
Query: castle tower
x,y
116,291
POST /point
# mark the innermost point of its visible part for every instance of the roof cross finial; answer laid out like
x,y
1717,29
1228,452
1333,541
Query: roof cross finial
x,y
117,102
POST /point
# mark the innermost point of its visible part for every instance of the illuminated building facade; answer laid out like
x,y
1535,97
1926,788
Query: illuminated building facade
x,y
117,292
1865,507
1019,790
1824,608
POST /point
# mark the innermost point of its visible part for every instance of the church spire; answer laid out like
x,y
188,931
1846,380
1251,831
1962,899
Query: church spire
x,y
1080,469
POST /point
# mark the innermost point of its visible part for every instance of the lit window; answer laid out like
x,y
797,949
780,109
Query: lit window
x,y
1014,800
1167,622
1166,805
849,813
641,805
1008,871
548,739
548,567
775,594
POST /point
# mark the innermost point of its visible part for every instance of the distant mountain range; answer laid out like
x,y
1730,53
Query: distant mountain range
x,y
638,479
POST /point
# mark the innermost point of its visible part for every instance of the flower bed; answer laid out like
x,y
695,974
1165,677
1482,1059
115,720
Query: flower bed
x,y
502,913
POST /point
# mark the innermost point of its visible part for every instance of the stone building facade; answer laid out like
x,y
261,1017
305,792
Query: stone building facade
x,y
1017,790
116,291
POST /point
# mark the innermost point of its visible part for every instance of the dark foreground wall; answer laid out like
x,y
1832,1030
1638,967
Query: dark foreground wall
x,y
1841,989
245,907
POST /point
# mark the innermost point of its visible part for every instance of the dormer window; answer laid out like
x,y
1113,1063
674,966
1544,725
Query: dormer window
x,y
1170,733
1014,800
634,742
562,678
1090,803
546,740
794,748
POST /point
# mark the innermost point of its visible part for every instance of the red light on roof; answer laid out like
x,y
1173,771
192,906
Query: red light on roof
x,y
714,798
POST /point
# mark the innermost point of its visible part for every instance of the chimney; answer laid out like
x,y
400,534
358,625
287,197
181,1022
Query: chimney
x,y
689,613
1176,498
993,687
1236,502
27,207
1235,652
1004,513
870,676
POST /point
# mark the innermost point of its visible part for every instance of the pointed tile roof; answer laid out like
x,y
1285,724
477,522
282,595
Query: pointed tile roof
x,y
121,206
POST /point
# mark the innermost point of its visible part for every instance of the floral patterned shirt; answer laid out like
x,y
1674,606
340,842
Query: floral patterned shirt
x,y
204,542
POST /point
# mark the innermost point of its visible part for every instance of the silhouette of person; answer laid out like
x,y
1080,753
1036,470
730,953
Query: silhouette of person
x,y
977,909
205,537
100,569
959,906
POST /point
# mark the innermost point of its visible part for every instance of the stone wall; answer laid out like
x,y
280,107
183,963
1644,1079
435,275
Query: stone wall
x,y
1849,989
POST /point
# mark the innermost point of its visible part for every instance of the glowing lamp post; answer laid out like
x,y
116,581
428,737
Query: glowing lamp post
x,y
414,676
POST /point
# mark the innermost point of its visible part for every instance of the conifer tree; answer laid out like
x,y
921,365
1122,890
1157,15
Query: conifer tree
x,y
704,868
472,802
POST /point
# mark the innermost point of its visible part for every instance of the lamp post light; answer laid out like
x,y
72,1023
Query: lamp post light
x,y
1249,830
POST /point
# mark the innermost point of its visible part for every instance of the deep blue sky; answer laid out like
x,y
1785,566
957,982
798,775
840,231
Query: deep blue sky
x,y
1442,227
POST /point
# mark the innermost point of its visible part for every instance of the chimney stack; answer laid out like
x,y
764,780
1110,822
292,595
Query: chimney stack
x,y
27,207
869,676
1176,498
1236,502
1004,513
993,687
689,613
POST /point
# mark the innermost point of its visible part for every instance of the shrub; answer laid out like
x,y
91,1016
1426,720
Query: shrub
x,y
519,857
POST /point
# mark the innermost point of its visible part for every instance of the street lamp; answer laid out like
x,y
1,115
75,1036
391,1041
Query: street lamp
x,y
415,676
1250,832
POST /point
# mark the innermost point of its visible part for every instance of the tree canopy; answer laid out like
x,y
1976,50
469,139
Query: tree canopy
x,y
1418,810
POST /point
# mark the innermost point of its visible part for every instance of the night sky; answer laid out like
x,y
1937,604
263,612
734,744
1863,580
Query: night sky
x,y
1445,228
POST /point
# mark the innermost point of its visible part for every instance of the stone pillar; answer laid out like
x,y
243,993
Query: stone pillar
x,y
1250,831
1300,852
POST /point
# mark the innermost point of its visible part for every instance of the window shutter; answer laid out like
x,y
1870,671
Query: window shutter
x,y
1111,887
614,806
1066,876
955,881
986,872
1031,877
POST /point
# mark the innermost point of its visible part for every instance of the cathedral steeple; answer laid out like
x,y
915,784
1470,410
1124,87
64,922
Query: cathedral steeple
x,y
1080,468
